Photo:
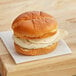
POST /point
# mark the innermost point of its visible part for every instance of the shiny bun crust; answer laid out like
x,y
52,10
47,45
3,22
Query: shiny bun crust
x,y
33,24
33,52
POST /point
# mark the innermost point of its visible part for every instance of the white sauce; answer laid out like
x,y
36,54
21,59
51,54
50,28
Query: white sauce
x,y
39,43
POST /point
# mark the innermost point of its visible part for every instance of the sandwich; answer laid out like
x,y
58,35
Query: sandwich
x,y
36,33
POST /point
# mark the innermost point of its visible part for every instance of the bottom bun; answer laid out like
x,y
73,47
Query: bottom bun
x,y
33,52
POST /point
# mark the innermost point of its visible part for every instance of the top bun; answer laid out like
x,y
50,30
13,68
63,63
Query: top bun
x,y
34,24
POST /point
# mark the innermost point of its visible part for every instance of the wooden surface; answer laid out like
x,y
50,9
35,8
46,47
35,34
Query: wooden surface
x,y
65,13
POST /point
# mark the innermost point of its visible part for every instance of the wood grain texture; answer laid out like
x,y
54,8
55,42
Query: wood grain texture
x,y
65,13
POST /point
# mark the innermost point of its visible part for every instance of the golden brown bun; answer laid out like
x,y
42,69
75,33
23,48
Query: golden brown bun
x,y
40,37
33,24
33,52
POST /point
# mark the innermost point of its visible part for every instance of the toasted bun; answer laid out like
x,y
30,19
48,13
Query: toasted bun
x,y
40,37
34,24
32,52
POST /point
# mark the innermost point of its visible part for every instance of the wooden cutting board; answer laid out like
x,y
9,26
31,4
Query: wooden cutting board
x,y
65,13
